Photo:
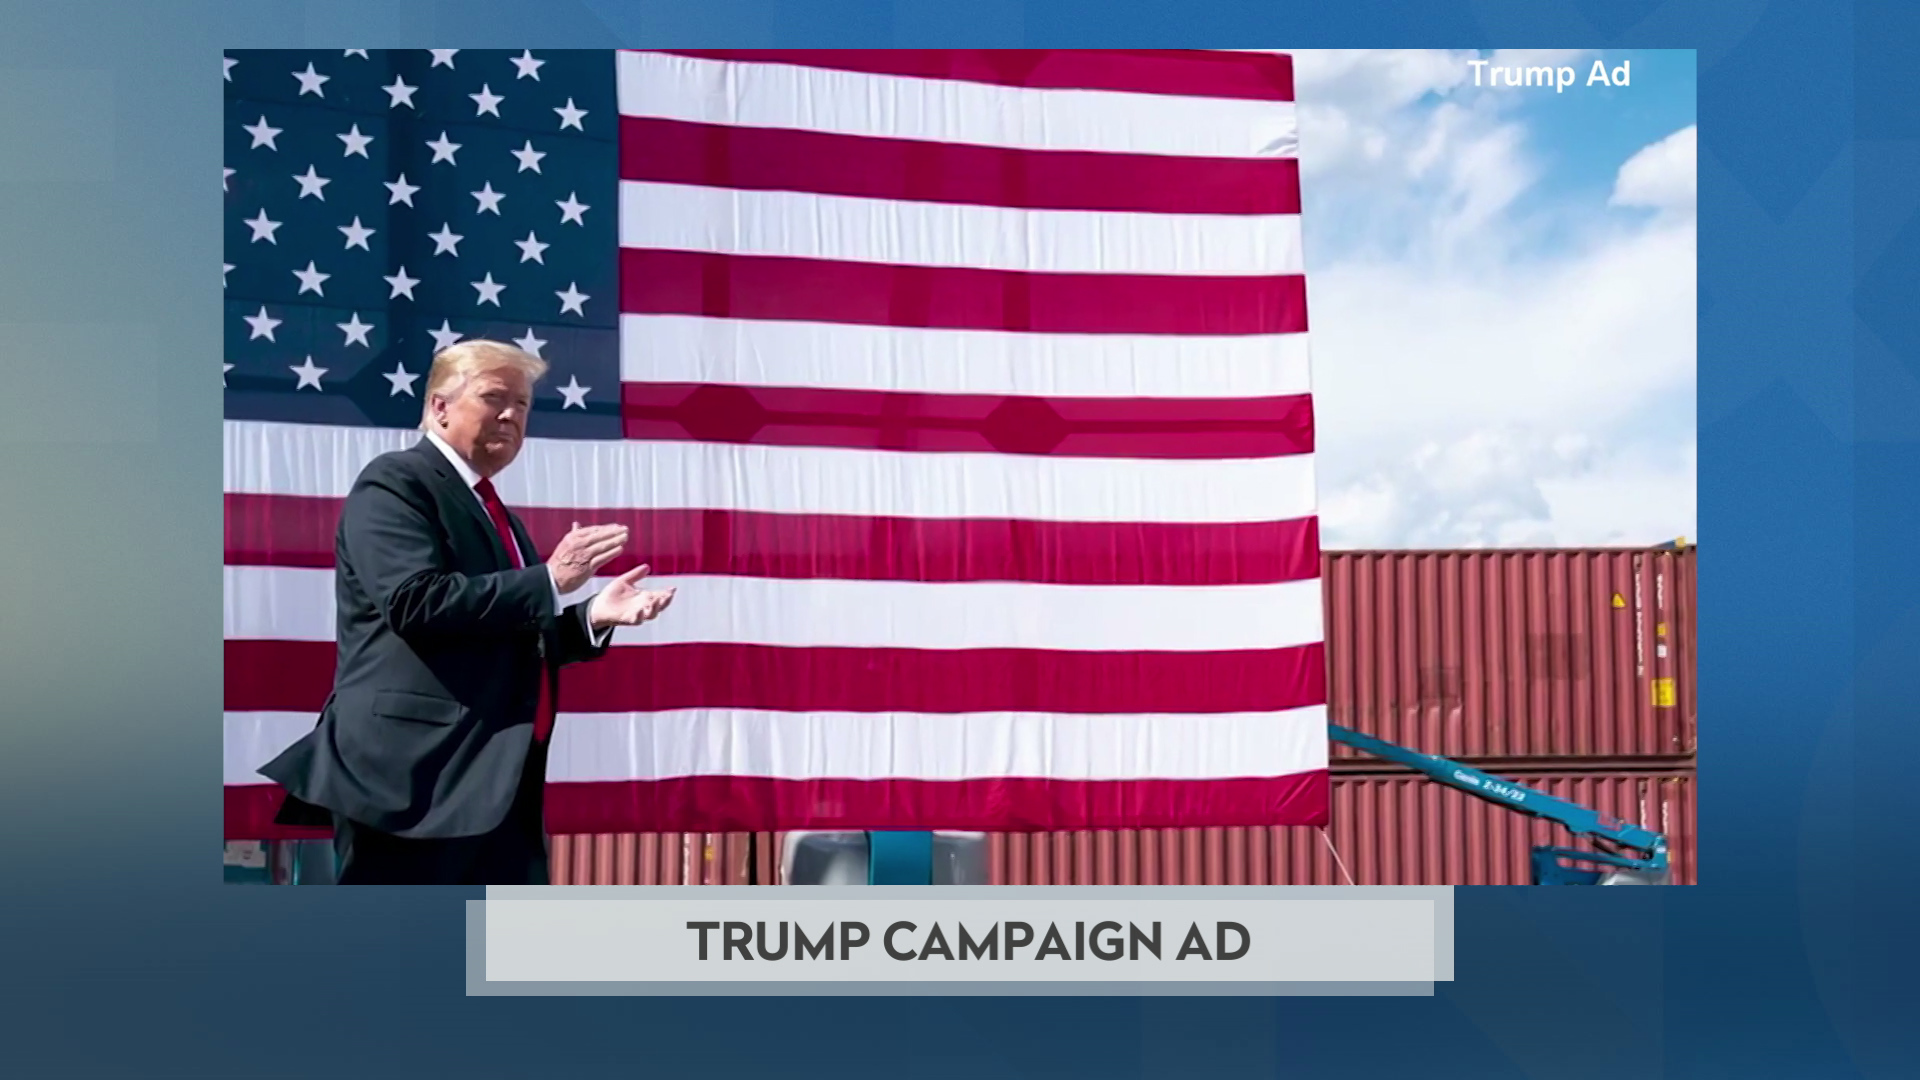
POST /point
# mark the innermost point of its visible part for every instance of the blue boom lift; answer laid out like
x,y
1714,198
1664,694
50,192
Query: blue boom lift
x,y
1635,855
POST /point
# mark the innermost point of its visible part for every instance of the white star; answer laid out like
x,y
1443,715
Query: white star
x,y
310,279
530,343
489,200
530,248
310,81
529,67
575,394
225,268
309,374
262,325
402,191
361,53
262,135
226,67
489,290
573,210
402,381
357,234
311,184
529,157
444,337
442,56
443,150
446,241
224,368
263,229
402,285
356,330
573,299
399,93
486,101
224,174
570,117
356,142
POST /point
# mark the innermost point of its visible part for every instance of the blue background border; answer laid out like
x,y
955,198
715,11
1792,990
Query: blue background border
x,y
1793,958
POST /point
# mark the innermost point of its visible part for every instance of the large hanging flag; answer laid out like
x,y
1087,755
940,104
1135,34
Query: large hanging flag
x,y
963,396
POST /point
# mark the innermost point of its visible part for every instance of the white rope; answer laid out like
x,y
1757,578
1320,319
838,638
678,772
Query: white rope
x,y
1328,837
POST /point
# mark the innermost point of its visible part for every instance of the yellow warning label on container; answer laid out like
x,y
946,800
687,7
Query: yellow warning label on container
x,y
1663,693
1660,630
1619,601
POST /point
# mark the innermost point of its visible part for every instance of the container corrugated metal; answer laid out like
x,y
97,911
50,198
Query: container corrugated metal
x,y
1514,654
665,858
1386,830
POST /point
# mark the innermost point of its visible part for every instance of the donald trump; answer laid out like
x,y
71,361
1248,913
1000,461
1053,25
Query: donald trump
x,y
429,756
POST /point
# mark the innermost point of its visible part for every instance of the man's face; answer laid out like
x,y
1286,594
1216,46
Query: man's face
x,y
487,420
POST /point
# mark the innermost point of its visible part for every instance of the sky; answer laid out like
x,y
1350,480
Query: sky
x,y
1501,299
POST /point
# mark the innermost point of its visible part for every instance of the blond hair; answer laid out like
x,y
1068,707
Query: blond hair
x,y
454,365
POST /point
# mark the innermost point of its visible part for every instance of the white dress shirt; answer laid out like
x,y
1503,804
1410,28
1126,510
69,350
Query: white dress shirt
x,y
472,479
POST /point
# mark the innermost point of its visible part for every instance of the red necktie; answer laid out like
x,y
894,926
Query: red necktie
x,y
497,510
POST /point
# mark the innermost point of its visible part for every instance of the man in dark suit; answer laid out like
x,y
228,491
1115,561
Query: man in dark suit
x,y
429,757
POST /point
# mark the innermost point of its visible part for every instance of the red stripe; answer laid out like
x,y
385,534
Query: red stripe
x,y
1187,428
777,159
293,676
250,809
746,804
294,531
1183,72
660,282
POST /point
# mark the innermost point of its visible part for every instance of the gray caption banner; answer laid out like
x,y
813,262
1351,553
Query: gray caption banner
x,y
646,940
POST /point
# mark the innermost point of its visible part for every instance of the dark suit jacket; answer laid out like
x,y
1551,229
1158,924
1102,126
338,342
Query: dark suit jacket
x,y
442,646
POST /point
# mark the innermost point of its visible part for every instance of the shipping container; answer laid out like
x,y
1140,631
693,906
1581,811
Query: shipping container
x,y
1387,829
1514,654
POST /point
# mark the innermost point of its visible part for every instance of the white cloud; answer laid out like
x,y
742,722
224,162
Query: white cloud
x,y
1480,490
1587,339
1664,176
1642,494
1373,82
1518,487
1351,101
1475,385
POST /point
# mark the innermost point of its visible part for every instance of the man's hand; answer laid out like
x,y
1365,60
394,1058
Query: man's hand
x,y
624,603
583,552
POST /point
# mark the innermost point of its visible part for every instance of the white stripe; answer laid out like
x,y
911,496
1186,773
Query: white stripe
x,y
950,111
921,746
252,739
611,747
298,604
755,352
265,458
803,225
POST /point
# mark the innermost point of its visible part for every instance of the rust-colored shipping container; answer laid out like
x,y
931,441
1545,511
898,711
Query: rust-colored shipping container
x,y
1514,654
1387,829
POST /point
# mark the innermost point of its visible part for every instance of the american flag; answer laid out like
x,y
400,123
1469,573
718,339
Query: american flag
x,y
962,395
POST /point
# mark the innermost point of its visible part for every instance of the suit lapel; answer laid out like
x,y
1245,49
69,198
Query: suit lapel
x,y
466,503
528,553
550,634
